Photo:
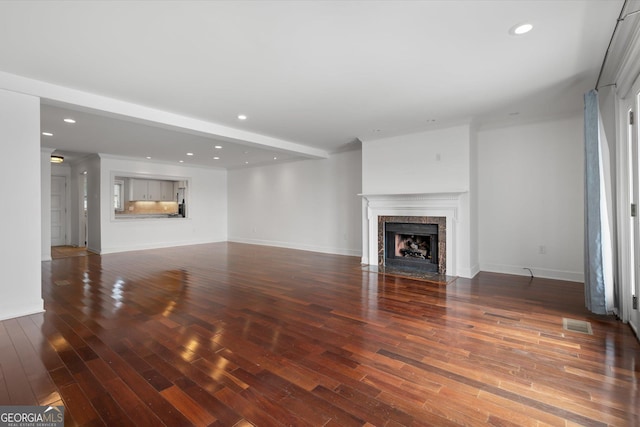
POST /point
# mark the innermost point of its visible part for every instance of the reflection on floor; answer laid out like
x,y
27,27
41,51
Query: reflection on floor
x,y
408,273
58,252
230,334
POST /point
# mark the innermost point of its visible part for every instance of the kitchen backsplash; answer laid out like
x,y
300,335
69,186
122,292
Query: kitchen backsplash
x,y
144,207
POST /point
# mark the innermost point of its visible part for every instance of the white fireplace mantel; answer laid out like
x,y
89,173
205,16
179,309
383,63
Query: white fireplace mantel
x,y
450,205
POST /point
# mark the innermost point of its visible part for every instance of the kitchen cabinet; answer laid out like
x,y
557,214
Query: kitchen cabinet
x,y
138,189
154,189
145,189
167,191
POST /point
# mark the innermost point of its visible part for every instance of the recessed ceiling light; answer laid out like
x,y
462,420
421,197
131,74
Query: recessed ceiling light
x,y
242,117
69,121
520,29
275,158
189,154
216,158
246,163
47,133
218,147
148,157
181,161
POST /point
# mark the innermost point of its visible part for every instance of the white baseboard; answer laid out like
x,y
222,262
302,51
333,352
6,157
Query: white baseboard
x,y
11,312
158,245
571,276
635,329
298,246
469,273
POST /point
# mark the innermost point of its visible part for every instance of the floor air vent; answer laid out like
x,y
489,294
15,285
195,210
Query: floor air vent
x,y
62,282
577,326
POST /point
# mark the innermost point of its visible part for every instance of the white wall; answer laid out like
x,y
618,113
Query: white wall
x,y
20,287
530,194
436,161
206,208
45,203
431,162
76,193
474,224
311,204
94,204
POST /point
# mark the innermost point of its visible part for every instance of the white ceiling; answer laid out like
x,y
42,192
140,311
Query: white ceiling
x,y
93,133
321,74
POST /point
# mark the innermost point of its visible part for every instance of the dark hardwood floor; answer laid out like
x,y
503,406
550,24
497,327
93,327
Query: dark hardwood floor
x,y
235,335
58,252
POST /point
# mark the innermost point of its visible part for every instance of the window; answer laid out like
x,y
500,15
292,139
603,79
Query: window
x,y
118,190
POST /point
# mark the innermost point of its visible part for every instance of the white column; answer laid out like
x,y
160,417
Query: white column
x,y
21,215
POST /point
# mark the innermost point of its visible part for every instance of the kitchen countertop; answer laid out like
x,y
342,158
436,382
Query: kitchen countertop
x,y
146,216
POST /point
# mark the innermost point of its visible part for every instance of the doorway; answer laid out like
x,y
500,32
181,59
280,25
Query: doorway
x,y
58,210
630,227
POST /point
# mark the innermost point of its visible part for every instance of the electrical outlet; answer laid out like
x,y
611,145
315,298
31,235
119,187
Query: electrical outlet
x,y
635,302
542,249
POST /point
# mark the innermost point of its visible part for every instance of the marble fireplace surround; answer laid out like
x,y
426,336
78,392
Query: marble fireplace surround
x,y
446,205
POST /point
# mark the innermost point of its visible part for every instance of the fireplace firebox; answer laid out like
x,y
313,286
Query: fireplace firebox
x,y
415,243
413,246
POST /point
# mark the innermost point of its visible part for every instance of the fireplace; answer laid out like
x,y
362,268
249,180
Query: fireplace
x,y
449,210
412,246
412,242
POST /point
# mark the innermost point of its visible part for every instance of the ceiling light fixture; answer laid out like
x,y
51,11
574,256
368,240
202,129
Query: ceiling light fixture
x,y
189,154
216,158
242,117
275,158
47,133
57,159
218,147
148,157
181,161
69,121
246,163
520,29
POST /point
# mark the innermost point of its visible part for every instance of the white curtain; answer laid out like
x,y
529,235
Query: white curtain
x,y
598,202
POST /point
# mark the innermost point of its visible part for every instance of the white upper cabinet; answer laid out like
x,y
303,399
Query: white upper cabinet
x,y
139,189
167,192
146,189
153,190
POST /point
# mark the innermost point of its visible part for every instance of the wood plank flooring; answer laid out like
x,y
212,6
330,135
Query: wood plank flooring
x,y
236,335
58,252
